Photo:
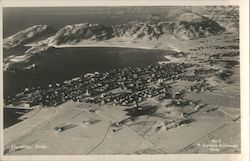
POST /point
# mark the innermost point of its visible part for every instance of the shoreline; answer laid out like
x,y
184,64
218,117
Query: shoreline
x,y
158,44
93,45
166,47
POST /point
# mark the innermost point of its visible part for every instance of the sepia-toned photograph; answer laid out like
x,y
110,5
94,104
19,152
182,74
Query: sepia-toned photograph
x,y
121,80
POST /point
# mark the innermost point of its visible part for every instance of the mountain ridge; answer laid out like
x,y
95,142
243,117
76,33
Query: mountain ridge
x,y
184,28
31,34
187,26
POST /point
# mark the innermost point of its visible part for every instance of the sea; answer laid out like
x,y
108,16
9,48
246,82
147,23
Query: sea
x,y
11,116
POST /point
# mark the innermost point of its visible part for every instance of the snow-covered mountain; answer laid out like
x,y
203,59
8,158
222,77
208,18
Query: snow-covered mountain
x,y
180,22
34,33
188,26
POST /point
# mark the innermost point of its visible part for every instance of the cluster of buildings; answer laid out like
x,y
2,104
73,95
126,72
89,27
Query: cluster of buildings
x,y
231,47
181,102
227,54
191,78
198,48
224,75
203,71
201,87
127,98
100,88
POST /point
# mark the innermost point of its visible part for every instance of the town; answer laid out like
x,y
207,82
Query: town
x,y
126,86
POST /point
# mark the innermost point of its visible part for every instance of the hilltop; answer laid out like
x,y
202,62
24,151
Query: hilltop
x,y
31,34
186,26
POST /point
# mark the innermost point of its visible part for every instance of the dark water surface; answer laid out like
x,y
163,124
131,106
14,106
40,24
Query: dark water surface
x,y
58,65
11,116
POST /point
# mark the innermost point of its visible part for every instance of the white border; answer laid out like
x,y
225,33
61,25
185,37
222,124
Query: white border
x,y
30,3
244,77
244,72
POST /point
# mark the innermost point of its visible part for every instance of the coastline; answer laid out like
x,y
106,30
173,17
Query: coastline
x,y
102,45
163,43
